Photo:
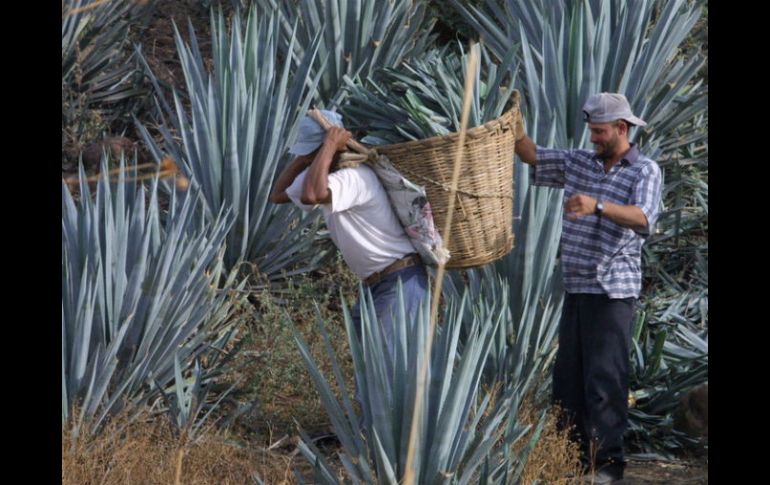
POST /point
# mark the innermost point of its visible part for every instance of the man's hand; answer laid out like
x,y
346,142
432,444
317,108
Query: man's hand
x,y
519,130
579,205
524,147
316,187
338,138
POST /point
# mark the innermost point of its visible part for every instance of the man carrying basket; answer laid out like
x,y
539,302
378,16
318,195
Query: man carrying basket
x,y
359,217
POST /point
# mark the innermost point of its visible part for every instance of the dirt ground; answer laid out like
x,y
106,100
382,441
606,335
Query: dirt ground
x,y
645,472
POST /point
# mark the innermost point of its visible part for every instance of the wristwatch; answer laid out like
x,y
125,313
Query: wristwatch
x,y
599,208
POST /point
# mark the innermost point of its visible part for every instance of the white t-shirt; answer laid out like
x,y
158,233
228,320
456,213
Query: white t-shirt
x,y
360,219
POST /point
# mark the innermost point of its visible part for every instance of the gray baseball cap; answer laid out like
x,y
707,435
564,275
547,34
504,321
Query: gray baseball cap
x,y
311,134
609,107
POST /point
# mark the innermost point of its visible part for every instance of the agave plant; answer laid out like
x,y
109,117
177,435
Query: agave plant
x,y
522,348
671,343
139,298
99,80
667,361
677,254
467,430
523,345
423,97
570,50
241,120
358,36
187,402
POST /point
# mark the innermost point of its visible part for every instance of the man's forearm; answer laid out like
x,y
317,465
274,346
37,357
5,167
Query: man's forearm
x,y
285,179
316,187
629,216
526,150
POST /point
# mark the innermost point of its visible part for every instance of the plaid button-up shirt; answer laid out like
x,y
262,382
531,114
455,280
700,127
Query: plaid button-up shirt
x,y
598,255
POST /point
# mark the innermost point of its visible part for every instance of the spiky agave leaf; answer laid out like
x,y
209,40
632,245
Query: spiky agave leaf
x,y
573,49
423,97
358,36
97,72
460,422
667,361
241,119
670,353
136,295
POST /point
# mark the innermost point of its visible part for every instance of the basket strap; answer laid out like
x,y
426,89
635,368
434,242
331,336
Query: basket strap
x,y
351,160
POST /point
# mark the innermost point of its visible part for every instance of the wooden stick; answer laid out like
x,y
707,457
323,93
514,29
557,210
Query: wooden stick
x,y
178,474
84,8
326,124
95,178
470,77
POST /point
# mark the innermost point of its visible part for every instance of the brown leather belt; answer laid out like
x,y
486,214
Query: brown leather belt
x,y
405,262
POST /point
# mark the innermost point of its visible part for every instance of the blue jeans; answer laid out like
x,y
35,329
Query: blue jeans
x,y
415,283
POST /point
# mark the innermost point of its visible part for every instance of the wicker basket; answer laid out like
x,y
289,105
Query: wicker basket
x,y
482,223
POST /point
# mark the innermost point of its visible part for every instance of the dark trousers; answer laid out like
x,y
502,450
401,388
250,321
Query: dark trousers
x,y
590,376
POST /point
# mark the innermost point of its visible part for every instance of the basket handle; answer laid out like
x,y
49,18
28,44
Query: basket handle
x,y
321,120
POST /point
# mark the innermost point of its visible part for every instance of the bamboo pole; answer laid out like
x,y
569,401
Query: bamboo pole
x,y
417,415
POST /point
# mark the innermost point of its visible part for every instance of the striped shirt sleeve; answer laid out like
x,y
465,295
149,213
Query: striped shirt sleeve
x,y
549,169
647,194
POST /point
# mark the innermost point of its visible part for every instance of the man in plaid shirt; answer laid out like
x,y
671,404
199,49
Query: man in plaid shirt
x,y
612,200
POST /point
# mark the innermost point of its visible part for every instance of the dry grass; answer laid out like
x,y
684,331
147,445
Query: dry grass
x,y
274,370
555,457
147,451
